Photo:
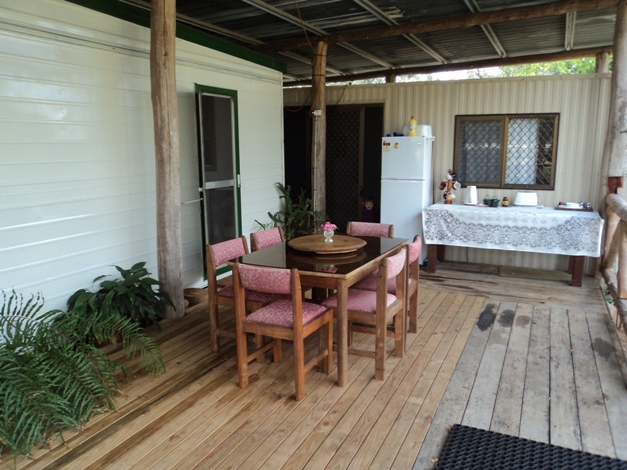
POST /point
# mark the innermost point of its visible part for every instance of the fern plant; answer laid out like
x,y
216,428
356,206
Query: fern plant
x,y
51,378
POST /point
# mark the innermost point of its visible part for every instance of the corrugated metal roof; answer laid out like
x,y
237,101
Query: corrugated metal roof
x,y
286,25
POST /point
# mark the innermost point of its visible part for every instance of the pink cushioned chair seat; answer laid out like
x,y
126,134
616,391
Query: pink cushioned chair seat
x,y
251,295
360,300
280,313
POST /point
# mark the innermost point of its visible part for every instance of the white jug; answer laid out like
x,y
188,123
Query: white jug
x,y
471,195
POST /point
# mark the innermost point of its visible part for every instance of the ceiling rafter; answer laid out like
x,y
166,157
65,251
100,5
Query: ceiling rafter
x,y
456,22
487,30
232,35
374,10
277,12
571,22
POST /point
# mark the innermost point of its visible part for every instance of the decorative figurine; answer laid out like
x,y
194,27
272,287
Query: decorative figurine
x,y
448,185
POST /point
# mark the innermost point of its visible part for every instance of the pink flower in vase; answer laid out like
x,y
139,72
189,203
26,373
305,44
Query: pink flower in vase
x,y
328,226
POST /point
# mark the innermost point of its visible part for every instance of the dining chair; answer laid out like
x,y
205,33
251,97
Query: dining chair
x,y
374,310
413,282
292,320
220,294
370,229
266,238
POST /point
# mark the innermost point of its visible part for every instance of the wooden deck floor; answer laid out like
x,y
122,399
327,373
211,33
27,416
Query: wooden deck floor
x,y
535,359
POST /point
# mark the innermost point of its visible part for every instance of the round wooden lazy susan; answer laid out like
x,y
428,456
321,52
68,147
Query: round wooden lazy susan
x,y
316,244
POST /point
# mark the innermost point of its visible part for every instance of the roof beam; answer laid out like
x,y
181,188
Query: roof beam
x,y
487,30
374,10
571,21
277,12
529,59
458,22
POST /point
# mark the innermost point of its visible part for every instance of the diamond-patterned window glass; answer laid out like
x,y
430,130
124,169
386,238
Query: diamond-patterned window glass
x,y
480,151
530,151
506,151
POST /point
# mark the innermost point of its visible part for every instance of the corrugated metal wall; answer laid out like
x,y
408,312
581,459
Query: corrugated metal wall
x,y
77,166
583,104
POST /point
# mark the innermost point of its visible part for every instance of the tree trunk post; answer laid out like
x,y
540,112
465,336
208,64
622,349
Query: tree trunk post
x,y
602,62
614,150
166,127
319,140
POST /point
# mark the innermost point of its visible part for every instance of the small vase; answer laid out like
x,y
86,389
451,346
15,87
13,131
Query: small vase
x,y
328,236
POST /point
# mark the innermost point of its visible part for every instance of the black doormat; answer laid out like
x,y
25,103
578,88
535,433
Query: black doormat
x,y
476,449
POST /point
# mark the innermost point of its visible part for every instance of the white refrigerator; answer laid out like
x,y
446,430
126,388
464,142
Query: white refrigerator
x,y
406,182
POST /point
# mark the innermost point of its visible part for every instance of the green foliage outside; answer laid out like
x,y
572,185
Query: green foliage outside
x,y
564,67
52,376
296,217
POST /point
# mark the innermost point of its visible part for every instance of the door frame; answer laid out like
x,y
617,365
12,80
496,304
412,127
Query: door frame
x,y
199,90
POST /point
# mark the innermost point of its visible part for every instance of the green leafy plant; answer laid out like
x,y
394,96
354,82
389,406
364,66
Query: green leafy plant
x,y
296,217
131,296
51,377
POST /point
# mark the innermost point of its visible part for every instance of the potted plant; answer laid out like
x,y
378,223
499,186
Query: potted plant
x,y
130,296
296,217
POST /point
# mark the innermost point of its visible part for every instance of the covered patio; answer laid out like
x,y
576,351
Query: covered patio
x,y
536,359
531,358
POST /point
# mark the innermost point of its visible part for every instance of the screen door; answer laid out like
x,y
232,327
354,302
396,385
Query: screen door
x,y
219,169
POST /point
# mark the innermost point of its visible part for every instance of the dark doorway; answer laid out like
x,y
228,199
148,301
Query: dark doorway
x,y
353,157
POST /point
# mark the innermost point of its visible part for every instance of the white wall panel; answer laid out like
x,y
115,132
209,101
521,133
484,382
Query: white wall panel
x,y
77,167
583,104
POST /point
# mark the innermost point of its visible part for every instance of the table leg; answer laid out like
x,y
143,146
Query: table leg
x,y
577,266
432,258
342,333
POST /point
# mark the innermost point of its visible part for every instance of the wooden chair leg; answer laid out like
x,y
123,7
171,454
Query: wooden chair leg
x,y
242,358
258,345
400,333
299,369
328,336
213,327
413,313
379,351
278,350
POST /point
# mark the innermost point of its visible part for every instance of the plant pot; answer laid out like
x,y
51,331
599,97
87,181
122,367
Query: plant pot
x,y
195,296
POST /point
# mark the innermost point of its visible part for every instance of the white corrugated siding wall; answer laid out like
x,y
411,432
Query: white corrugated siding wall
x,y
77,165
583,104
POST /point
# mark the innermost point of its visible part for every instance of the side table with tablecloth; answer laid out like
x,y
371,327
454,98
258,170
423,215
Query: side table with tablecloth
x,y
530,229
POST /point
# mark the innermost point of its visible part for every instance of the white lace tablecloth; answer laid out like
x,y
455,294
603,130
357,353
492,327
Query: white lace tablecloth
x,y
532,229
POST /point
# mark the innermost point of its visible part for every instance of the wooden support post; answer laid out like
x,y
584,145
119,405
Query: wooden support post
x,y
622,262
614,150
612,220
319,138
602,62
166,126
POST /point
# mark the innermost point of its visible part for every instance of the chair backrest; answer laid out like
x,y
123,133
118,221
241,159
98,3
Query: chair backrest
x,y
224,251
266,238
269,280
393,267
370,229
219,254
396,263
414,257
415,248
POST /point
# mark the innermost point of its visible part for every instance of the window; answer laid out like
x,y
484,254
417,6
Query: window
x,y
506,151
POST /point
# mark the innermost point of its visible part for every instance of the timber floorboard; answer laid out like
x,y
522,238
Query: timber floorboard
x,y
529,358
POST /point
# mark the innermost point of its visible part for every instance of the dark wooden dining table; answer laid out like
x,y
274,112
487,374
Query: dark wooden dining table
x,y
337,272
